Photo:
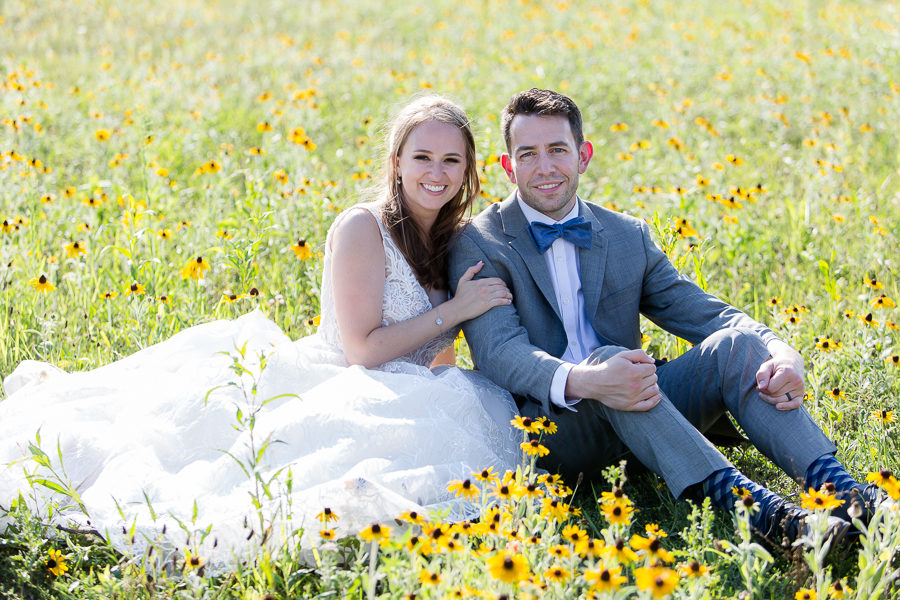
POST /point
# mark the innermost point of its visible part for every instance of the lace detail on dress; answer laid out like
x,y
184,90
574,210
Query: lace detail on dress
x,y
404,298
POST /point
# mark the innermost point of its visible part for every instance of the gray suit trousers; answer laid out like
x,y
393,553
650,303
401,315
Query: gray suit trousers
x,y
713,377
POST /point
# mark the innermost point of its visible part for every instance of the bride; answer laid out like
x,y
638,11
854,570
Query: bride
x,y
229,436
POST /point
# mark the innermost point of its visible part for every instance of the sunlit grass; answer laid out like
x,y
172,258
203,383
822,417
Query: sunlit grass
x,y
759,139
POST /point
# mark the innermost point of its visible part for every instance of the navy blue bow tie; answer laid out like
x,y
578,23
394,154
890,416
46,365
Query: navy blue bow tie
x,y
577,231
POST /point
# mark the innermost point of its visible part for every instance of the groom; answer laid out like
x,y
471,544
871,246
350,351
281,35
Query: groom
x,y
569,345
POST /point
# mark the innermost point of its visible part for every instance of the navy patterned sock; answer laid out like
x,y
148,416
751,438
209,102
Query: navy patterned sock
x,y
720,488
826,469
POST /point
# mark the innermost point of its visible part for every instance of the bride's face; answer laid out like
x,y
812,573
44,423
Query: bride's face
x,y
431,166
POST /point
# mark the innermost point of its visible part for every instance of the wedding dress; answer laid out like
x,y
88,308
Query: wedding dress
x,y
154,446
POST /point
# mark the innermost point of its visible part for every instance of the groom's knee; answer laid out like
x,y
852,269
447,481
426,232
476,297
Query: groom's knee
x,y
736,346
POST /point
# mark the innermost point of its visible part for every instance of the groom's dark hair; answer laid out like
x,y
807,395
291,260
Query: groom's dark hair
x,y
543,103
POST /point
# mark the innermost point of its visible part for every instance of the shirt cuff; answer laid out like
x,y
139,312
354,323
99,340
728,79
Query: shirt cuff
x,y
558,388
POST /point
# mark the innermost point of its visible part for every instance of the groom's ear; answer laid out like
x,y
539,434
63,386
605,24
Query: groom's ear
x,y
584,156
506,163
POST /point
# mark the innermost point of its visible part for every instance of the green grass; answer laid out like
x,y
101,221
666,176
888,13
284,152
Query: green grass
x,y
806,95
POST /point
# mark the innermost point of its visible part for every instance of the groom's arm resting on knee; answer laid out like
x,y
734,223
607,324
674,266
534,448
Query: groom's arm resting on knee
x,y
502,349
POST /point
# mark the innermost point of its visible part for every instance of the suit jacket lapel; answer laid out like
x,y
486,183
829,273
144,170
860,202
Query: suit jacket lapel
x,y
592,263
515,226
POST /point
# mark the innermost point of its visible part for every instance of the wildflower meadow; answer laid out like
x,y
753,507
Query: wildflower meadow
x,y
167,163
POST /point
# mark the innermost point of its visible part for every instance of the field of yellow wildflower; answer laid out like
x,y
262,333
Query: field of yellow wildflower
x,y
167,163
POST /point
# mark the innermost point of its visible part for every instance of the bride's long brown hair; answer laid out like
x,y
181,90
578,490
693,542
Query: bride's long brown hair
x,y
426,251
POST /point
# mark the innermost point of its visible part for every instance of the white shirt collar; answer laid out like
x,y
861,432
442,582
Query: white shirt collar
x,y
533,215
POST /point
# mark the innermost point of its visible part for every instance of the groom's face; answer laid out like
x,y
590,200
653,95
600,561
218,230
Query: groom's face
x,y
545,163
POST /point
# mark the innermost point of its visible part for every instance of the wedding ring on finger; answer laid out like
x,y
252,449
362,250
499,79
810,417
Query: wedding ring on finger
x,y
788,394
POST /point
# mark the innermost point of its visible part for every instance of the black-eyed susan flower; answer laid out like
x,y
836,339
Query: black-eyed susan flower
x,y
412,516
327,534
263,126
301,249
192,560
873,283
574,534
108,295
615,496
839,590
617,514
135,289
621,552
883,416
56,563
881,478
893,359
165,233
553,508
827,344
42,284
605,579
426,577
618,127
651,546
102,134
75,249
548,426
195,269
869,320
775,301
816,500
230,297
375,532
508,567
557,574
163,299
463,488
806,594
326,516
532,490
659,581
735,160
837,393
684,228
693,569
534,448
280,176
486,475
506,491
883,301
526,424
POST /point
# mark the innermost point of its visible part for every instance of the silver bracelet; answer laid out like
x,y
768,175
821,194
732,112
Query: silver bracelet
x,y
439,321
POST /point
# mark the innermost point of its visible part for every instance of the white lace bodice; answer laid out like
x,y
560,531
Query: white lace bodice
x,y
404,297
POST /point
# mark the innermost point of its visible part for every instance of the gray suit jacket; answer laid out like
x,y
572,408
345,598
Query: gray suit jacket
x,y
623,274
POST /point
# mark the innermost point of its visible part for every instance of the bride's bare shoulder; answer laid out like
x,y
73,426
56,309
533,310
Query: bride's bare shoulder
x,y
357,226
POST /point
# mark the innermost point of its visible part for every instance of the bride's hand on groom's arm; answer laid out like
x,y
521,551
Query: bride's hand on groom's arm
x,y
476,296
626,382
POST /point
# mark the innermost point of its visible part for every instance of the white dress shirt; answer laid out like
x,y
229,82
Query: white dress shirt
x,y
562,262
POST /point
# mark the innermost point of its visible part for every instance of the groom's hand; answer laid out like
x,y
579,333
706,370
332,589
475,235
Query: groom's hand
x,y
626,381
